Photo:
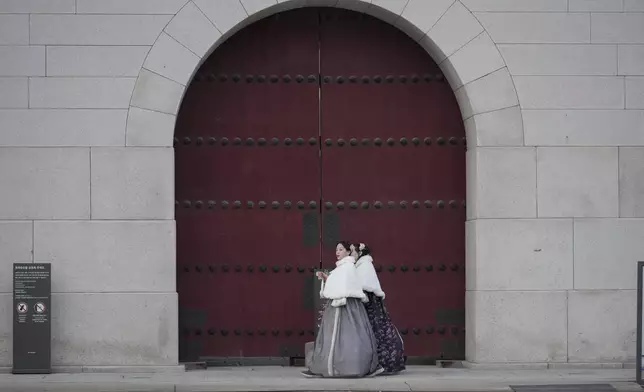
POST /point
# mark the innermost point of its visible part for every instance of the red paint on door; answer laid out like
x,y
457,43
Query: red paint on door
x,y
304,128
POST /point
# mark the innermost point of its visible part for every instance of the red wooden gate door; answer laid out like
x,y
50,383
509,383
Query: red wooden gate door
x,y
248,188
305,128
393,174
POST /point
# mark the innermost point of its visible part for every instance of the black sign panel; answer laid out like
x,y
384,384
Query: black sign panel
x,y
31,318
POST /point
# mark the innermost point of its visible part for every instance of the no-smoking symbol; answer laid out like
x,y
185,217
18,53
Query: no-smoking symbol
x,y
39,307
22,307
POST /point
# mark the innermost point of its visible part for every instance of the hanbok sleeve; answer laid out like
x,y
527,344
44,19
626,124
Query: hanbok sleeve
x,y
368,277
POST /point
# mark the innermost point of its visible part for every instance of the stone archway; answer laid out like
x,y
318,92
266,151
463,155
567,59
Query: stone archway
x,y
447,30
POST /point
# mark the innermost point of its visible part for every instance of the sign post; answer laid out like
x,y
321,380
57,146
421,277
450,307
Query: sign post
x,y
31,318
639,355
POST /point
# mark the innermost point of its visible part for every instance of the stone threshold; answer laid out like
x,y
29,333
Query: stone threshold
x,y
540,365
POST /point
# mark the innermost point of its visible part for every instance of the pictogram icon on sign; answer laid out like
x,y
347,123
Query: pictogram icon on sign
x,y
40,307
22,307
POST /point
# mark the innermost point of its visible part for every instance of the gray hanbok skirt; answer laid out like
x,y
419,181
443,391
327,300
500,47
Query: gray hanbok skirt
x,y
346,345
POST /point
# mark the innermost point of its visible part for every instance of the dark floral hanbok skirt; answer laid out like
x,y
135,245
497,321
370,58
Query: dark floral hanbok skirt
x,y
391,353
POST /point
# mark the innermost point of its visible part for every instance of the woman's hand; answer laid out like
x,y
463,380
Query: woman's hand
x,y
321,275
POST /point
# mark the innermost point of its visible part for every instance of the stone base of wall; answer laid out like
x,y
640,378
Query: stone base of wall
x,y
178,369
546,366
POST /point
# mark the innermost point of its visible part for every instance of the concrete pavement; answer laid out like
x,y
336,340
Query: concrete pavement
x,y
416,378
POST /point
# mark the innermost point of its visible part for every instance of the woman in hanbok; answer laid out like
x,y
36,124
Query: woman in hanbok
x,y
345,345
391,354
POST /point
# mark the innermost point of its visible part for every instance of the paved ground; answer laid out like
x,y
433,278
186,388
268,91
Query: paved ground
x,y
416,378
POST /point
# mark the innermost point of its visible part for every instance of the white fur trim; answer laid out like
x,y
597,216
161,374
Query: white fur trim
x,y
368,277
343,283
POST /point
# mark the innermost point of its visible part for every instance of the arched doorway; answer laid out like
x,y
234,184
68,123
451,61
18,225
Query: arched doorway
x,y
308,127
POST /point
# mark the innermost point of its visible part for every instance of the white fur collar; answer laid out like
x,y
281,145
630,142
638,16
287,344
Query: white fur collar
x,y
343,283
368,277
364,259
345,260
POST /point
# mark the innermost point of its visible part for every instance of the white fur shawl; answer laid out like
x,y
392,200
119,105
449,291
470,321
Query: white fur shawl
x,y
368,277
342,283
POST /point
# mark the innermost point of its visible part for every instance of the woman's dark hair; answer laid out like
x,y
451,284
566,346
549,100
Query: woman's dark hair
x,y
346,244
364,252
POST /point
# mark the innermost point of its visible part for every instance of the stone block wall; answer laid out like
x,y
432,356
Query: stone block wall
x,y
75,189
557,231
552,95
